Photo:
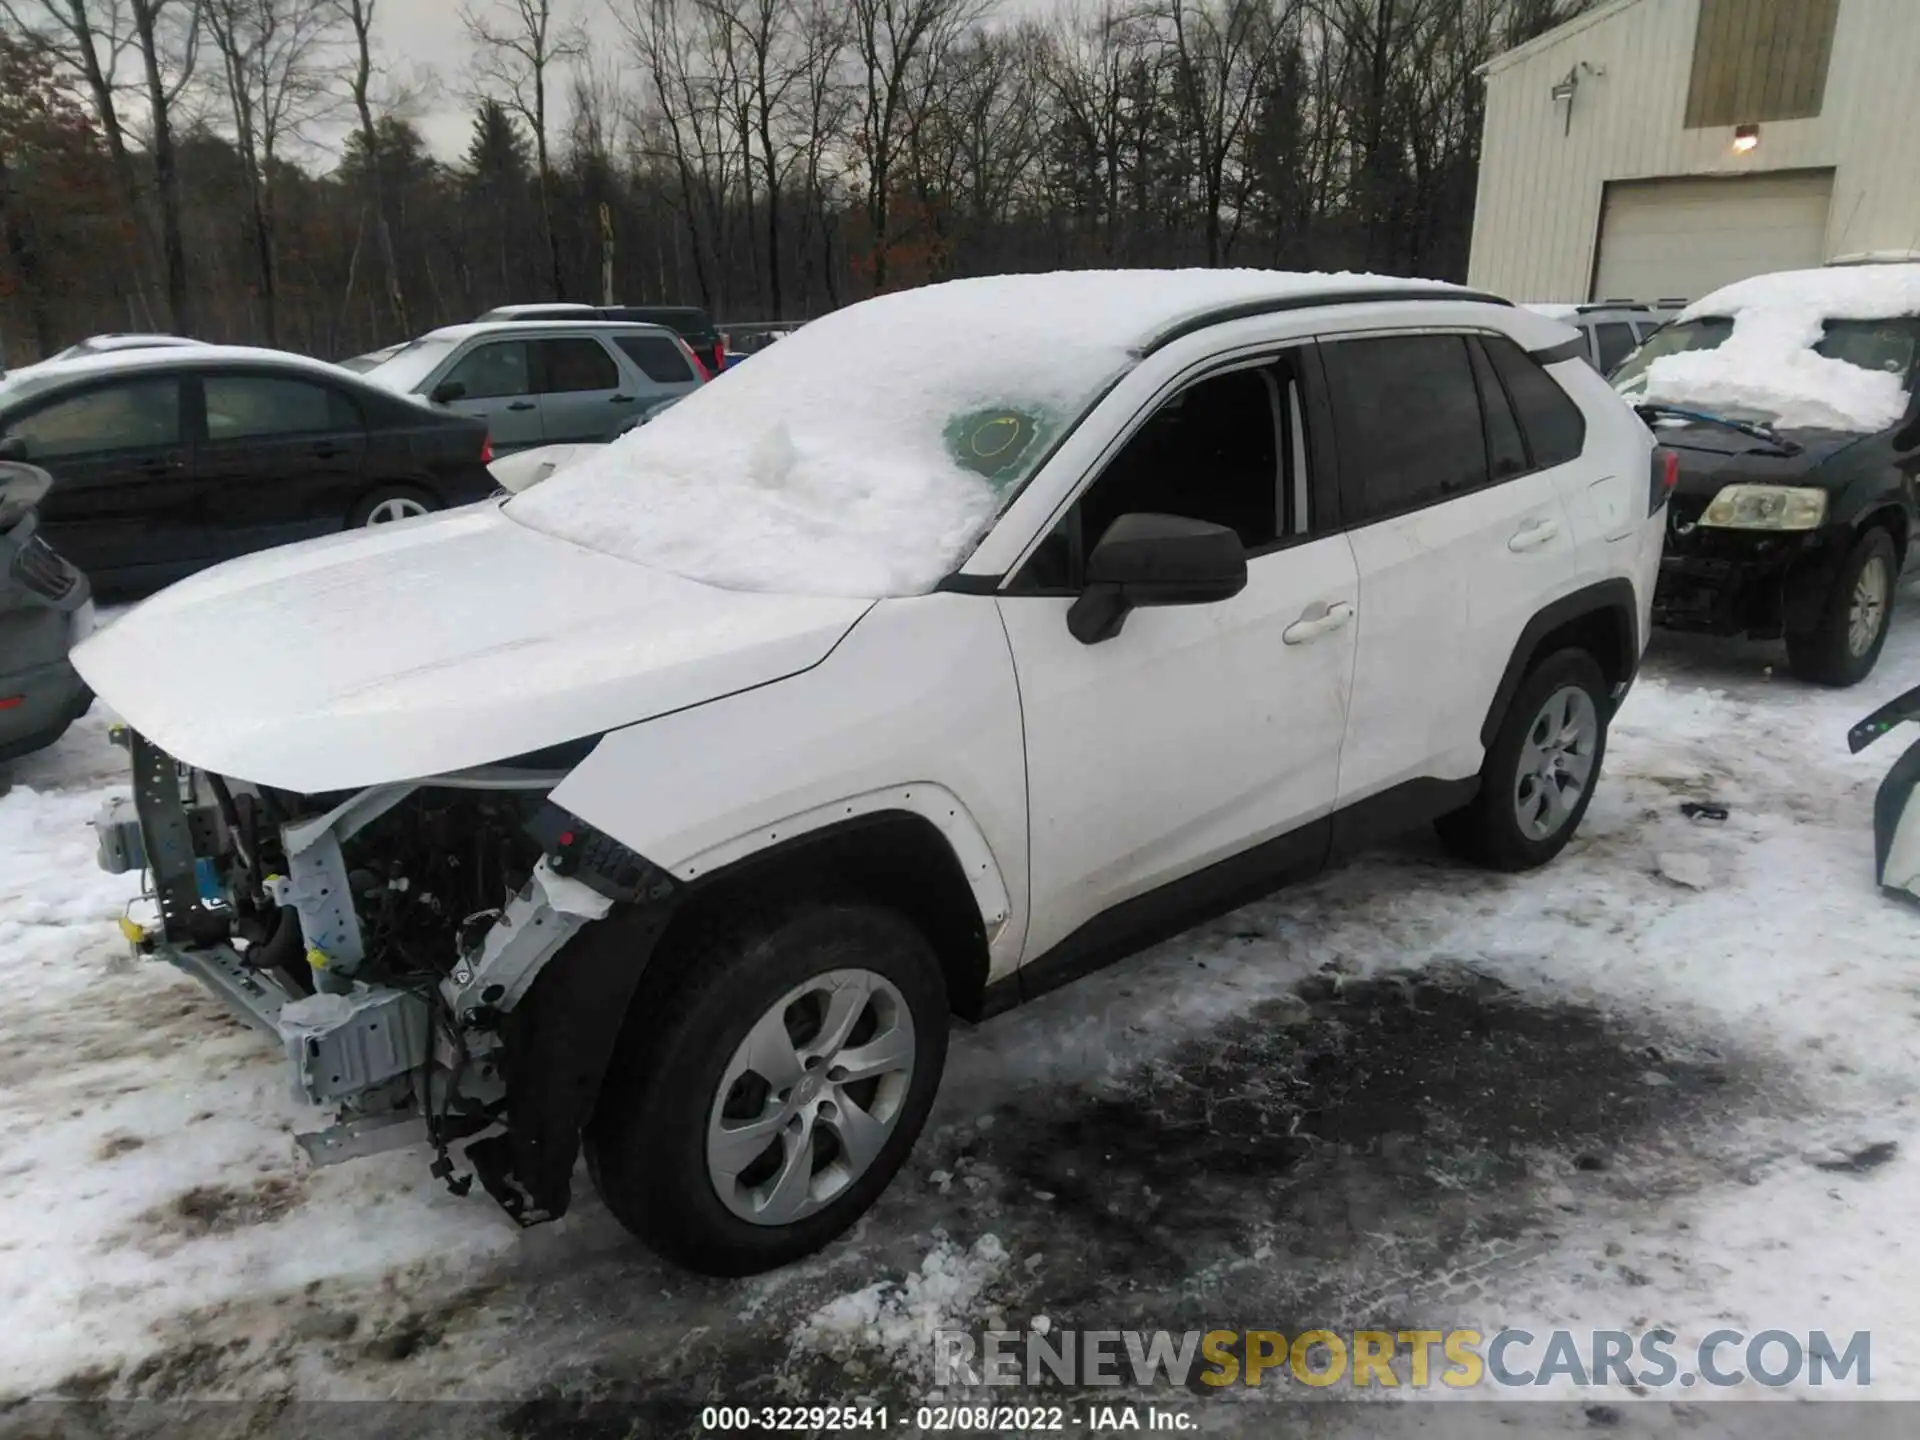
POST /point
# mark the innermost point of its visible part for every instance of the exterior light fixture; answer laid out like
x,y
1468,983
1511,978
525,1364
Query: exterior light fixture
x,y
1746,138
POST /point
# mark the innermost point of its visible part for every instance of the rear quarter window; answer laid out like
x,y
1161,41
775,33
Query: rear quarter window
x,y
659,358
1555,430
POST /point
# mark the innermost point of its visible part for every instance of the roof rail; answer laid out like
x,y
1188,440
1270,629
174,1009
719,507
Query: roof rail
x,y
1280,304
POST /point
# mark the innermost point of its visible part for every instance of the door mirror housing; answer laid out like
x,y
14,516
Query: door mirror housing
x,y
13,447
447,391
1155,560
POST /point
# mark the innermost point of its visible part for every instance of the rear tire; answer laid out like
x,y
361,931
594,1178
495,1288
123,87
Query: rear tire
x,y
726,1136
1845,645
1540,772
390,503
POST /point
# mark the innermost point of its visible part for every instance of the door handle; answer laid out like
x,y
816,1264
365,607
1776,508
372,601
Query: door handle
x,y
1532,537
621,400
1336,616
326,452
521,405
157,467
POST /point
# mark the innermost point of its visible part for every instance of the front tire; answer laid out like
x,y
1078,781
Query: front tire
x,y
1845,645
776,1087
1540,771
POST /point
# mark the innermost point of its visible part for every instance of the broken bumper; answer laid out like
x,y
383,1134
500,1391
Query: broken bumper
x,y
1732,582
400,1055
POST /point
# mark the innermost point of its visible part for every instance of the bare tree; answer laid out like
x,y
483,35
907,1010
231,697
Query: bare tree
x,y
87,39
273,72
517,44
167,33
1221,50
359,17
897,43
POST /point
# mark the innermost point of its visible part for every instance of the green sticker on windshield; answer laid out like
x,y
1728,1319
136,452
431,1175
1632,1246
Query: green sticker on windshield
x,y
992,443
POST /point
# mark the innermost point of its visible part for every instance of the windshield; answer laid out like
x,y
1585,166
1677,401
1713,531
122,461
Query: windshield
x,y
412,363
1779,368
863,455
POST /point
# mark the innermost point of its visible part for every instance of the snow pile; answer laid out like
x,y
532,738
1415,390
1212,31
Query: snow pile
x,y
1768,365
823,467
899,1320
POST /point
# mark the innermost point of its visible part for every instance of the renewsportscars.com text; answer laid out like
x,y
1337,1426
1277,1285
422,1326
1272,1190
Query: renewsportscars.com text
x,y
1414,1359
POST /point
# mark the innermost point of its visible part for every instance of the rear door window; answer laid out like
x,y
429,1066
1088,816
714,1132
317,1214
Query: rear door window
x,y
1555,430
1408,422
241,407
136,415
494,369
659,358
1506,450
575,364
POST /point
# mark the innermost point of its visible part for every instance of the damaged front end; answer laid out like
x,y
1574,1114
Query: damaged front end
x,y
409,946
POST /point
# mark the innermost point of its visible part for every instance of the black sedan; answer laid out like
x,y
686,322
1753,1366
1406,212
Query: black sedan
x,y
167,461
45,609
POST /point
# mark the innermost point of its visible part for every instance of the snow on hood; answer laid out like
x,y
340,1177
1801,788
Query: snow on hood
x,y
1768,363
433,645
827,465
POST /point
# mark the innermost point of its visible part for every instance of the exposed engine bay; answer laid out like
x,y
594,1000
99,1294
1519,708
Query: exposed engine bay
x,y
391,939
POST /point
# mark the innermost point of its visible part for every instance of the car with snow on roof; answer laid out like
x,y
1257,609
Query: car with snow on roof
x,y
1788,406
969,638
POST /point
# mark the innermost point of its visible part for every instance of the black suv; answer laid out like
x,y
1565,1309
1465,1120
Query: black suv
x,y
1778,531
45,609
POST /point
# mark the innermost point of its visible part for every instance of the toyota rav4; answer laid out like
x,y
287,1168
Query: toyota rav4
x,y
671,809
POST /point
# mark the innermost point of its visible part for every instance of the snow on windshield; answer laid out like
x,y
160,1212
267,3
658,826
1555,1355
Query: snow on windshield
x,y
1769,366
867,452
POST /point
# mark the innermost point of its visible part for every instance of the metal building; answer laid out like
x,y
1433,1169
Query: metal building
x,y
1654,149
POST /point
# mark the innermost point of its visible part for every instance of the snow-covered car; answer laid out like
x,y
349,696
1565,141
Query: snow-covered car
x,y
967,639
1790,401
46,607
103,345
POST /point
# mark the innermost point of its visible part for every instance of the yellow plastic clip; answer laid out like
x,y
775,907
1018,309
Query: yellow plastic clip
x,y
316,957
135,932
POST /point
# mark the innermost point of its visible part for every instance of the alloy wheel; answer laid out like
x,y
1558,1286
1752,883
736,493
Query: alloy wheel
x,y
1867,606
397,507
810,1097
1556,762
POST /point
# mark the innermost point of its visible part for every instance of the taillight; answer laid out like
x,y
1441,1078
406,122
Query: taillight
x,y
1666,475
486,449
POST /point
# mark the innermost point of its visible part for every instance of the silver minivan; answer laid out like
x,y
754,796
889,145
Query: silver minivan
x,y
548,383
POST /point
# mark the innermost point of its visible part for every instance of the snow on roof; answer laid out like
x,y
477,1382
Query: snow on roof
x,y
1768,364
830,464
158,357
1866,292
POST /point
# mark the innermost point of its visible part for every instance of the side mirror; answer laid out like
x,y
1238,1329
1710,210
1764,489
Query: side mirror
x,y
1155,560
447,391
13,447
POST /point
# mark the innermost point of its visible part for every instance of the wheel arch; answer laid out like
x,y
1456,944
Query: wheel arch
x,y
914,848
1598,618
1891,517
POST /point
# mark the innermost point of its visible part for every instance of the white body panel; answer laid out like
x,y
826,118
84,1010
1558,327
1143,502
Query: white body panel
x,y
920,694
1444,595
1195,733
426,646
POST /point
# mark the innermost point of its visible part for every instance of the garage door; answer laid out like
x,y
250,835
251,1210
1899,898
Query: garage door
x,y
1682,238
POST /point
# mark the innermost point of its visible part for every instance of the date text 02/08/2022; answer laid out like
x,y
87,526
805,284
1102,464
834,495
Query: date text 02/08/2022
x,y
938,1419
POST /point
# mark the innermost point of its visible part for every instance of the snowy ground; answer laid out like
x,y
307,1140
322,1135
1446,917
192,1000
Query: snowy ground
x,y
1407,1095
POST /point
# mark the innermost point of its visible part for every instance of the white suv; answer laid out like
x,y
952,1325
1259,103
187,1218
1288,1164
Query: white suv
x,y
967,639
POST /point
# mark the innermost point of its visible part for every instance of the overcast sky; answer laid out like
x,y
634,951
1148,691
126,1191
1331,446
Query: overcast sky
x,y
423,44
